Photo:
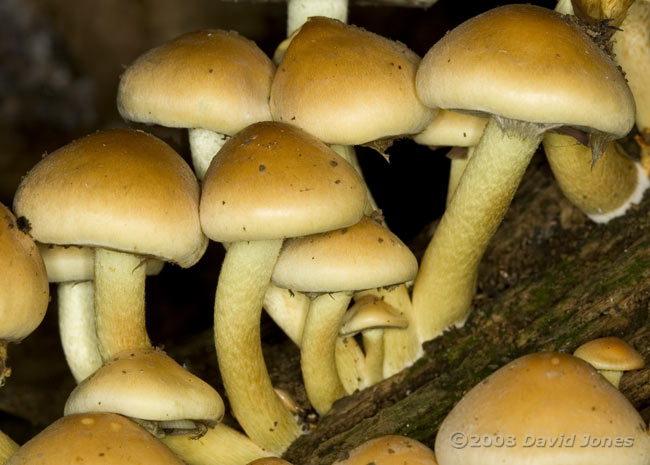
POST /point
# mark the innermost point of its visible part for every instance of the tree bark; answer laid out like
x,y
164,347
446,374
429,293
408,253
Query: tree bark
x,y
551,280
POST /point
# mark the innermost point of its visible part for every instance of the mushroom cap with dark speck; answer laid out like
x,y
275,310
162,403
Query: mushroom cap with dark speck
x,y
610,353
390,450
273,180
121,189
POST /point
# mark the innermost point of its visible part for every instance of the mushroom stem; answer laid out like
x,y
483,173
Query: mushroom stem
x,y
373,345
317,354
298,11
7,447
119,302
244,278
603,190
445,284
77,328
220,444
613,376
350,364
204,145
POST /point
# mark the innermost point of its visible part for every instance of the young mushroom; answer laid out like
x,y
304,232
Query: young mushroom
x,y
213,82
269,182
389,450
531,71
611,356
331,266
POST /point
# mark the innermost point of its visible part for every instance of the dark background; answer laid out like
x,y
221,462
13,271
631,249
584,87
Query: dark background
x,y
60,62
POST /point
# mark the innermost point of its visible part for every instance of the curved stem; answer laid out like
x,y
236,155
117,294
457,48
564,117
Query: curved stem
x,y
317,353
77,328
220,445
456,171
245,276
119,302
603,190
350,364
204,145
445,284
7,447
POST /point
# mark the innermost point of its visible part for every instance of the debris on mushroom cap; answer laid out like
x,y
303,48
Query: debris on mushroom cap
x,y
610,353
544,408
389,450
93,439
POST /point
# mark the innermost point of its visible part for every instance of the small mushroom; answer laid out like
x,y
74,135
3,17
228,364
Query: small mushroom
x,y
611,356
389,450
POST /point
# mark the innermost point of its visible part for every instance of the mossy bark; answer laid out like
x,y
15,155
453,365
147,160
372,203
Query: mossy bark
x,y
550,280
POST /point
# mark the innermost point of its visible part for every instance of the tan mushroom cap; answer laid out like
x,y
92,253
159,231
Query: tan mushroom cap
x,y
544,397
371,312
452,129
362,256
210,79
526,63
146,384
390,450
24,292
346,85
610,353
120,189
76,263
273,180
94,439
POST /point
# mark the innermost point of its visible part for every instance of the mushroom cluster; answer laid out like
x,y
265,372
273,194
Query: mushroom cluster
x,y
277,183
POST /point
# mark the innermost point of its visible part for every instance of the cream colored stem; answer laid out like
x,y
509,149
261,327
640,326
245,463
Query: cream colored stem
x,y
317,353
119,302
288,309
456,171
77,328
245,276
348,154
612,376
373,345
204,145
220,445
445,284
298,11
603,190
7,447
350,364
631,47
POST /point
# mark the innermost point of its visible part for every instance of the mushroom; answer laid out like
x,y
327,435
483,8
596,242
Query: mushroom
x,y
534,73
611,356
269,461
389,450
270,181
370,316
72,268
539,409
147,386
604,189
94,439
299,11
453,129
212,82
24,292
131,197
332,265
